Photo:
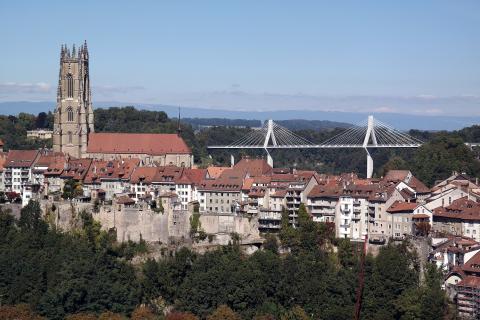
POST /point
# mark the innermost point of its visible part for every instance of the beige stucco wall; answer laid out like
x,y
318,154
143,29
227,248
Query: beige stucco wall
x,y
179,160
226,224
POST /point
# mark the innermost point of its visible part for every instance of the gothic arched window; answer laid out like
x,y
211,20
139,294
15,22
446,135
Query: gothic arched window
x,y
69,136
69,86
69,114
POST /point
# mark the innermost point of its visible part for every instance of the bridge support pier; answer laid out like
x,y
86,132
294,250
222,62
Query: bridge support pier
x,y
269,158
369,164
232,160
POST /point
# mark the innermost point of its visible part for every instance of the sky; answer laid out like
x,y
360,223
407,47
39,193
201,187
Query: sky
x,y
414,57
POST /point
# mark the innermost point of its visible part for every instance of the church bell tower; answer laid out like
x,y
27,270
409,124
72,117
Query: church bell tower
x,y
73,113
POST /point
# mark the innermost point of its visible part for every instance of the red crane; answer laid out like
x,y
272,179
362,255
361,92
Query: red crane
x,y
361,280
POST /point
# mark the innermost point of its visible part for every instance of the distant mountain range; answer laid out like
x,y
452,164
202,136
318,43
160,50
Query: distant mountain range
x,y
396,120
294,124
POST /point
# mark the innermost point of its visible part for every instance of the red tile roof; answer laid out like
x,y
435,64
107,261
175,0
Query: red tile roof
x,y
279,194
396,175
215,172
196,176
472,265
56,166
257,192
111,170
229,180
125,200
398,207
247,183
168,174
144,174
253,167
420,216
320,191
462,208
140,143
46,159
470,281
21,158
76,169
418,185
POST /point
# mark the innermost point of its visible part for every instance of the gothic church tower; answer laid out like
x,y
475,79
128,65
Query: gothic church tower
x,y
73,113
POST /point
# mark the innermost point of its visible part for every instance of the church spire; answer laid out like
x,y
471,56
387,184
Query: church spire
x,y
85,50
179,129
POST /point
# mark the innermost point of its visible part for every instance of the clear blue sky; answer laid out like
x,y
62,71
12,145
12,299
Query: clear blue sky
x,y
336,55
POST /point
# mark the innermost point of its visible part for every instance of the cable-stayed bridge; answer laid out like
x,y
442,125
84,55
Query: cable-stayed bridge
x,y
368,134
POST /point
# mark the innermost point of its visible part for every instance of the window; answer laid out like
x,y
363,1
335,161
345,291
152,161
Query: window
x,y
69,114
69,86
69,137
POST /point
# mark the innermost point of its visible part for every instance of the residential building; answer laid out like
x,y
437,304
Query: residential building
x,y
109,178
18,169
461,217
401,214
3,159
41,134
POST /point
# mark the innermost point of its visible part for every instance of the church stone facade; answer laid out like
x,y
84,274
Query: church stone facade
x,y
74,113
73,131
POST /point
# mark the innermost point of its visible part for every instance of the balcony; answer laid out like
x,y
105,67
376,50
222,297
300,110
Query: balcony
x,y
270,216
356,217
345,210
269,226
356,202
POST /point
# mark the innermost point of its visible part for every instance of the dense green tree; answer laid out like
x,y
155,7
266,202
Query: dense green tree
x,y
41,121
175,315
223,312
288,235
426,301
72,189
391,274
394,163
20,312
60,273
271,243
296,313
438,158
